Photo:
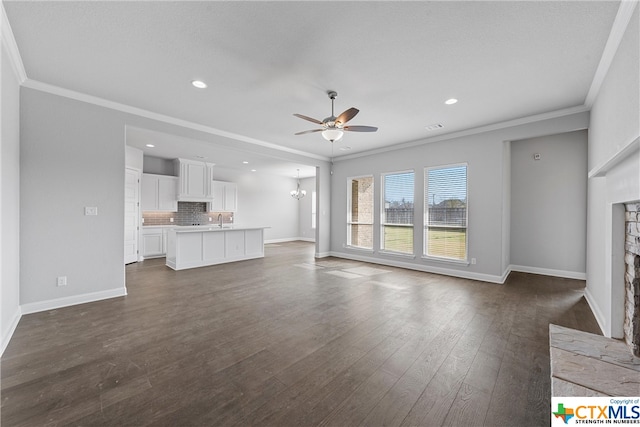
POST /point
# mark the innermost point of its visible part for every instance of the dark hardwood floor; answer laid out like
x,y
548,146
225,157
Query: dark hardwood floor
x,y
290,340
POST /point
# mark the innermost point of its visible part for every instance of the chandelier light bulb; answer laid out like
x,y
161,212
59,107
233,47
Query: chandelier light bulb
x,y
298,193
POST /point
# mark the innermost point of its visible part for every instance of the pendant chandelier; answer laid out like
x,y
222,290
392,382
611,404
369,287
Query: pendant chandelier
x,y
298,193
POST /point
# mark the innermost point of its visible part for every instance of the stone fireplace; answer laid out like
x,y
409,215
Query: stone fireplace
x,y
632,277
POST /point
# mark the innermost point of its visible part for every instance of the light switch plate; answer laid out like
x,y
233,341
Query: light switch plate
x,y
91,210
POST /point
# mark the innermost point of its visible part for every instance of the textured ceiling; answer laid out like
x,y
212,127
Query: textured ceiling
x,y
263,61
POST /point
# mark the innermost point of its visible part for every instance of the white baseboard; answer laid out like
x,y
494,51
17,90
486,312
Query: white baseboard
x,y
286,239
595,309
505,275
322,254
418,267
52,304
6,337
290,239
549,272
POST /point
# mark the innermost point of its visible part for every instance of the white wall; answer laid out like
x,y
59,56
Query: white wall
x,y
133,158
158,166
264,200
487,169
324,191
549,205
72,156
305,231
615,123
9,201
506,206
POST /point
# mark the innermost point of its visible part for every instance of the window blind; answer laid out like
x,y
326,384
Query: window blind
x,y
397,212
446,212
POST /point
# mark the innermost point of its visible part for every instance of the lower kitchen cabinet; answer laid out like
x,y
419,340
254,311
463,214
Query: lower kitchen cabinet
x,y
199,246
154,242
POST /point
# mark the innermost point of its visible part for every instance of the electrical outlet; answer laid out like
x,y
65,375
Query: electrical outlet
x,y
473,260
91,210
170,219
62,281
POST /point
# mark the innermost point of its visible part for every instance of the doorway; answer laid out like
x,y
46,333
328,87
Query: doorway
x,y
131,214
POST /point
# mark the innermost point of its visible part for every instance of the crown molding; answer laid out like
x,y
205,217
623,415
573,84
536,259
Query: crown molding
x,y
473,131
9,42
78,96
619,27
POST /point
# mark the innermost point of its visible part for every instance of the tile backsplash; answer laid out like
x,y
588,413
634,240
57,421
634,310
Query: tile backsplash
x,y
189,213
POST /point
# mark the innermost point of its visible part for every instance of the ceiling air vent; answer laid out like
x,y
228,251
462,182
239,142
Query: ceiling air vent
x,y
434,127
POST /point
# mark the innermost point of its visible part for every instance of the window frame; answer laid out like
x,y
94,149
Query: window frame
x,y
425,238
383,216
350,223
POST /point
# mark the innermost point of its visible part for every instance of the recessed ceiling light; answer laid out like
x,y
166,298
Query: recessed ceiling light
x,y
253,170
199,84
201,157
451,101
150,145
345,148
245,162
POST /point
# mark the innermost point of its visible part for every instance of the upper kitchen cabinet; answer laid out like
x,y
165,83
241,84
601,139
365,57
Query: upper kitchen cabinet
x,y
159,193
194,180
225,197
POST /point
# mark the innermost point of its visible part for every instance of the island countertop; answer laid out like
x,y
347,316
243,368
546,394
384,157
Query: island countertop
x,y
214,227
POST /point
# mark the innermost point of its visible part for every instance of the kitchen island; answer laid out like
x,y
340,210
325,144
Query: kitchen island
x,y
202,245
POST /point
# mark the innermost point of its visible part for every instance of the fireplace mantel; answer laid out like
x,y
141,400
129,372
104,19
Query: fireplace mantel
x,y
627,151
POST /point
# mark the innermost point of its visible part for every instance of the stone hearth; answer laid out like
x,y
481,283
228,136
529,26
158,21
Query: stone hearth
x,y
632,277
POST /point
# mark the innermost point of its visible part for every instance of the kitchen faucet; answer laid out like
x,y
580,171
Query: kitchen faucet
x,y
220,220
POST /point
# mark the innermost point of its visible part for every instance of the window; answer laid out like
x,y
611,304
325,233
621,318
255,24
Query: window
x,y
360,214
446,212
313,210
397,212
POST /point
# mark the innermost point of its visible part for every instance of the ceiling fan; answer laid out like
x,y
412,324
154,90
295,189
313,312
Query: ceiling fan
x,y
333,127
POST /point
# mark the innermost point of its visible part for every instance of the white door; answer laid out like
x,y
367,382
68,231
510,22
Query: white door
x,y
131,214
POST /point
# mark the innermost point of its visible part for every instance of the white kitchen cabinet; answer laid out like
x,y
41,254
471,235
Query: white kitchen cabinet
x,y
194,180
198,246
225,197
152,242
159,193
230,196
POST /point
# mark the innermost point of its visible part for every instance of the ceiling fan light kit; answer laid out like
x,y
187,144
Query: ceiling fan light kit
x,y
332,135
333,127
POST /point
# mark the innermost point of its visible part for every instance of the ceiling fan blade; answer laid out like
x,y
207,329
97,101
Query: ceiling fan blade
x,y
308,131
360,128
312,120
347,115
